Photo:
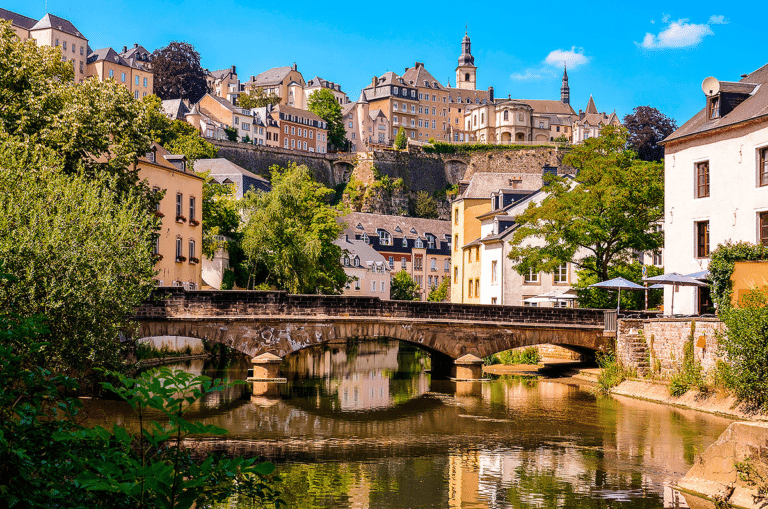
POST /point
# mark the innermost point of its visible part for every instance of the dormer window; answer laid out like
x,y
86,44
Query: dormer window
x,y
714,107
419,244
365,238
385,239
360,226
356,262
413,230
405,242
397,229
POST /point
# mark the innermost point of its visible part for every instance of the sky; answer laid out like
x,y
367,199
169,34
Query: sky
x,y
639,53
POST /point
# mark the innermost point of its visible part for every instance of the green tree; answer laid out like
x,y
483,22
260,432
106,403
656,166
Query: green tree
x,y
425,206
647,127
80,258
440,293
401,142
606,299
178,73
289,232
403,287
608,210
324,104
256,98
231,133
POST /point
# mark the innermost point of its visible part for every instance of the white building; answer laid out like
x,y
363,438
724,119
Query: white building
x,y
716,180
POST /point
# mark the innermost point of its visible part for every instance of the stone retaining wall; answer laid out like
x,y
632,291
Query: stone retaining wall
x,y
657,344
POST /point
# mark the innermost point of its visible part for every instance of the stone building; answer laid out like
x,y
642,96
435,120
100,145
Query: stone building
x,y
212,114
224,83
133,73
286,82
590,122
53,31
421,247
301,129
716,181
366,128
179,242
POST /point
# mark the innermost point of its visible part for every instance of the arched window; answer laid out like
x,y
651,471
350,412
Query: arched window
x,y
506,115
384,238
405,242
357,261
466,77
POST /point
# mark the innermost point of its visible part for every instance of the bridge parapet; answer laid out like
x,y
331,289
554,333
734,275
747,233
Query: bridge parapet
x,y
177,302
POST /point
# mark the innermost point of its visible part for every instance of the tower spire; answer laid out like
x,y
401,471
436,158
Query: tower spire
x,y
565,90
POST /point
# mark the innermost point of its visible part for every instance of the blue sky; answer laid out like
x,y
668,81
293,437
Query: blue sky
x,y
654,53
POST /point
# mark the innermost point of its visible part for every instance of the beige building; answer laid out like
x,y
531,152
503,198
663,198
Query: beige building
x,y
178,244
224,83
318,83
590,122
369,271
285,82
213,113
421,247
365,128
518,121
106,64
53,31
397,100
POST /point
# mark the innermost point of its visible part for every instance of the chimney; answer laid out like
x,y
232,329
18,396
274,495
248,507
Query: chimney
x,y
294,66
125,48
135,44
463,185
406,69
253,78
490,94
346,238
375,81
233,70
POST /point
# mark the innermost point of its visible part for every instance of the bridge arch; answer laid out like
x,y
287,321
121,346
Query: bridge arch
x,y
342,171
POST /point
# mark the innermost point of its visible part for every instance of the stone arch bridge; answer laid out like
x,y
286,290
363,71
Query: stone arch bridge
x,y
278,323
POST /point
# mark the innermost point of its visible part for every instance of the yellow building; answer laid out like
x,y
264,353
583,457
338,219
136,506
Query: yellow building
x,y
179,242
106,64
397,99
279,81
54,31
224,83
474,200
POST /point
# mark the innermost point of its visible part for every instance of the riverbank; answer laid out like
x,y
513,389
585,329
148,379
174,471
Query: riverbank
x,y
159,361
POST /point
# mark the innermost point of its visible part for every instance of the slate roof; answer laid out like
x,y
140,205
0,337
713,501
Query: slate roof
x,y
290,110
107,54
363,251
137,51
399,227
481,185
481,95
161,159
221,74
175,109
755,106
17,19
221,168
549,106
416,76
57,23
272,76
591,108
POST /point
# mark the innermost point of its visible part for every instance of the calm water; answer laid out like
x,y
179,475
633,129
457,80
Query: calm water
x,y
366,427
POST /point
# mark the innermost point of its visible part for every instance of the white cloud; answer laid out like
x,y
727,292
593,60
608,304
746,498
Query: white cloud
x,y
679,34
718,20
573,58
530,74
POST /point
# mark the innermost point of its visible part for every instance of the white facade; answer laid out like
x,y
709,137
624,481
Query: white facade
x,y
732,208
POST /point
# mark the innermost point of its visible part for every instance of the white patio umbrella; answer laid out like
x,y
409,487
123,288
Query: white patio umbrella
x,y
674,279
618,283
553,296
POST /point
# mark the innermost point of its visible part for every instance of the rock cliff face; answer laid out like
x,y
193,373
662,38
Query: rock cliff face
x,y
415,170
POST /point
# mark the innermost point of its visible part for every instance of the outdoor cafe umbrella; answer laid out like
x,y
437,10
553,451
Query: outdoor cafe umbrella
x,y
674,279
553,296
618,283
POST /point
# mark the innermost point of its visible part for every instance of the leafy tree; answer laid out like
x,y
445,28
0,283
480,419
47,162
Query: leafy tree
x,y
256,98
403,287
648,126
289,233
608,209
324,104
440,293
177,136
178,73
606,299
425,206
231,133
401,142
79,257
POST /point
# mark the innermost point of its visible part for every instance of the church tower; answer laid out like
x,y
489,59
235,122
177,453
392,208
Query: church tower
x,y
565,91
466,72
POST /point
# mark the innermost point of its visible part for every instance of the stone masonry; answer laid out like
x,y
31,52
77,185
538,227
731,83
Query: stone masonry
x,y
279,323
656,344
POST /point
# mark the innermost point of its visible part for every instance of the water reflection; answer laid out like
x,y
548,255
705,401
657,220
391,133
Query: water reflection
x,y
367,427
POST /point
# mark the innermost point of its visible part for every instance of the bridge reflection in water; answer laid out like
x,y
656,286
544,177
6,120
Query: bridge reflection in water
x,y
409,441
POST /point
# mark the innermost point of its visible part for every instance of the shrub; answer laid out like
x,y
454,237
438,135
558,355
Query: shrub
x,y
529,355
690,373
612,372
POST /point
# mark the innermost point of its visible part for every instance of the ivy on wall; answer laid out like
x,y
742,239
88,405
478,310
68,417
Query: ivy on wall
x,y
721,264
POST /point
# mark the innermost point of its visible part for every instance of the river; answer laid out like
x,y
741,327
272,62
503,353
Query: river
x,y
364,425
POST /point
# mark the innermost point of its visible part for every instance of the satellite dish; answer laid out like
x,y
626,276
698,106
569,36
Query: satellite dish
x,y
710,86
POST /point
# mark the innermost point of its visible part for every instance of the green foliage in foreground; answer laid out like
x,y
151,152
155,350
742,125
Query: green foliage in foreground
x,y
601,298
612,373
689,375
528,355
745,348
403,287
440,293
48,460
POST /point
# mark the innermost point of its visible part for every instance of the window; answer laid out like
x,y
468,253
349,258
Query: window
x,y
417,263
191,208
764,228
179,248
447,265
419,244
714,108
383,285
762,168
506,115
402,262
494,272
455,274
293,130
293,143
493,301
385,239
357,262
531,276
81,66
191,249
469,288
357,284
350,124
286,129
179,199
405,242
391,262
145,82
111,73
560,275
64,45
433,264
122,77
702,239
365,239
702,179
477,288
373,286
136,81
285,142
81,50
